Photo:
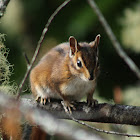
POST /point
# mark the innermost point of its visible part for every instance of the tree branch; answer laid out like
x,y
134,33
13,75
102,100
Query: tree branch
x,y
40,115
39,45
3,5
113,39
104,131
104,113
47,122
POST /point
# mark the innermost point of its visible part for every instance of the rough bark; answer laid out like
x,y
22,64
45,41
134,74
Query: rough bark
x,y
47,122
104,113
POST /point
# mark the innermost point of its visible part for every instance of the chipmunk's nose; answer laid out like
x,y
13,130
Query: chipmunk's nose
x,y
91,75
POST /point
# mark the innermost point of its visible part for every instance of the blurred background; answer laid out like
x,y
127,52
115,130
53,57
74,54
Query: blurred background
x,y
24,21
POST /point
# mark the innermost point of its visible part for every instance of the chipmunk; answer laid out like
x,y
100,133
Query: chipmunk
x,y
68,72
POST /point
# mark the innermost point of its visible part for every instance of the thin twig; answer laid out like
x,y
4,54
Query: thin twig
x,y
27,59
101,130
3,5
114,40
39,45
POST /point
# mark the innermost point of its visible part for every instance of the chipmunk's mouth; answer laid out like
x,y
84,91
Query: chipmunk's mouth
x,y
84,78
91,77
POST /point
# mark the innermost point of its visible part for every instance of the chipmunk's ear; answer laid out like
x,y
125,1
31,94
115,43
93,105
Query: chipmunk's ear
x,y
73,45
97,40
95,43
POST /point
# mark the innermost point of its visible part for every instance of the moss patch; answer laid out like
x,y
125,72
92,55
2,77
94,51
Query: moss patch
x,y
5,70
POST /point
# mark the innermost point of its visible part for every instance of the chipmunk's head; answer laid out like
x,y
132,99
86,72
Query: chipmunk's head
x,y
84,58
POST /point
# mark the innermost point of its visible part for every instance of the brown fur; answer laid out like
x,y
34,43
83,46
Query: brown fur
x,y
57,75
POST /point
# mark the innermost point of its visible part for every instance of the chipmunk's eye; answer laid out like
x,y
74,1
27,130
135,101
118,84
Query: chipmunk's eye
x,y
79,64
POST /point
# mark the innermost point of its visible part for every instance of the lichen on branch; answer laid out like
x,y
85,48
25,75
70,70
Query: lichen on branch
x,y
5,69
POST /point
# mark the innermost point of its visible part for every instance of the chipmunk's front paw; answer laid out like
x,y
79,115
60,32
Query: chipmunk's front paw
x,y
37,98
67,106
92,102
42,100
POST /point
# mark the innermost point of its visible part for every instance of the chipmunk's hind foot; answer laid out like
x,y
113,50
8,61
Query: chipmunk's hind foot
x,y
68,106
92,102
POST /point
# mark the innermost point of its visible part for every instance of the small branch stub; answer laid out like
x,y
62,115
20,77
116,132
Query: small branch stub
x,y
3,5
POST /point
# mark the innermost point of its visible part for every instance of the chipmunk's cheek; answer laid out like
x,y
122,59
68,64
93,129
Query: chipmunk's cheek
x,y
82,76
85,75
